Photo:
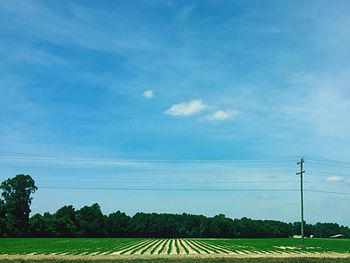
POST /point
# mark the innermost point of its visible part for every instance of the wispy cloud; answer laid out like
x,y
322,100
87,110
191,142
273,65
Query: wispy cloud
x,y
335,178
148,94
186,108
220,115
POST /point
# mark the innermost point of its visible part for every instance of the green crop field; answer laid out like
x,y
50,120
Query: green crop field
x,y
143,247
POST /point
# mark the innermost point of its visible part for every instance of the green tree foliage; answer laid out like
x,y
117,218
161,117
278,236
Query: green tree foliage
x,y
2,218
118,225
90,222
43,226
16,195
66,222
221,226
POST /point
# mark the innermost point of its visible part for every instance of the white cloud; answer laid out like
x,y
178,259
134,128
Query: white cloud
x,y
148,94
221,115
186,108
335,178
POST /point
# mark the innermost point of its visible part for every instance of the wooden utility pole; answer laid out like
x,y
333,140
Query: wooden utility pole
x,y
301,199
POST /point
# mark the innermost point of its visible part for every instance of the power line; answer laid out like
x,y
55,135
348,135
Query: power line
x,y
168,182
330,173
150,158
135,158
327,192
325,160
174,170
330,164
166,189
251,157
324,184
190,189
180,182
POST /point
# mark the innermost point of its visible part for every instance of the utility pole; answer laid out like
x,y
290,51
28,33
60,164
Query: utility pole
x,y
301,199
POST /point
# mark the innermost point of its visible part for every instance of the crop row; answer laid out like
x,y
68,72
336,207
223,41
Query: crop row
x,y
199,246
142,246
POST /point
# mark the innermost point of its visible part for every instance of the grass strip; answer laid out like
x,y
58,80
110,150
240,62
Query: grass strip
x,y
192,247
212,246
205,247
123,247
149,246
157,246
199,260
144,248
137,247
177,247
199,247
163,246
227,247
184,247
169,247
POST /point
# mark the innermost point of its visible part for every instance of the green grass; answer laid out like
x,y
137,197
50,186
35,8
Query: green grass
x,y
194,243
190,245
183,246
149,246
75,246
214,248
162,248
177,247
207,246
275,244
205,260
156,247
140,246
62,245
169,248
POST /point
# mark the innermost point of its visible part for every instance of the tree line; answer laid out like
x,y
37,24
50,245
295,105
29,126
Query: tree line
x,y
89,221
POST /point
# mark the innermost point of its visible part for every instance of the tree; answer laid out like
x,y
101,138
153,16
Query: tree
x,y
91,221
42,226
118,224
16,194
66,222
2,218
221,226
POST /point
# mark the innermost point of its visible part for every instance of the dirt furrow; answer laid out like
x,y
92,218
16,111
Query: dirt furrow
x,y
173,248
132,250
217,248
204,248
231,250
191,249
169,248
130,247
151,249
132,244
183,249
155,250
198,248
164,248
143,249
97,258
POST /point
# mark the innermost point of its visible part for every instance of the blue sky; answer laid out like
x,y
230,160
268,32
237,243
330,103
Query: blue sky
x,y
178,78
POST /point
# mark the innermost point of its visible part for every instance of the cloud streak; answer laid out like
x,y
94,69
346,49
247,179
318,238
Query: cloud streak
x,y
186,108
335,178
221,115
148,94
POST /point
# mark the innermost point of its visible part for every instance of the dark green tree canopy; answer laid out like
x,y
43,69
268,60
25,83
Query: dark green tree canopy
x,y
89,221
16,195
